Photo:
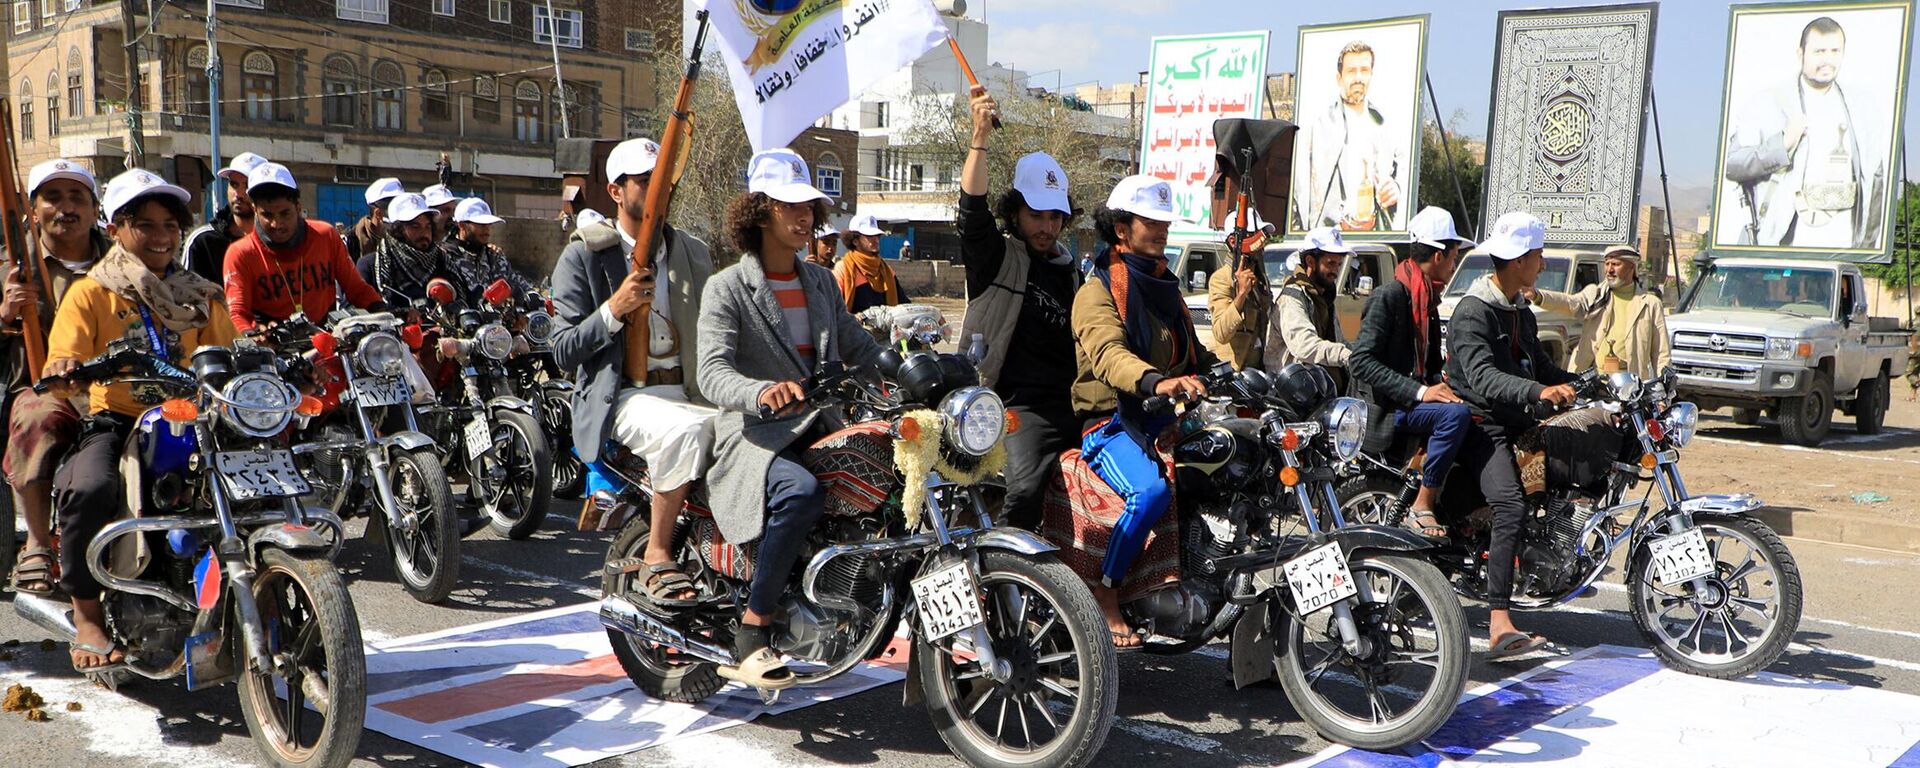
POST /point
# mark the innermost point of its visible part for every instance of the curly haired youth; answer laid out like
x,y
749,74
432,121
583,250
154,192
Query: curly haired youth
x,y
751,211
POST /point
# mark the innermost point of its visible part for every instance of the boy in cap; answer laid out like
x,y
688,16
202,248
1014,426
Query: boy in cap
x,y
442,200
1020,285
62,209
1240,301
1626,325
865,279
205,253
366,233
826,245
288,265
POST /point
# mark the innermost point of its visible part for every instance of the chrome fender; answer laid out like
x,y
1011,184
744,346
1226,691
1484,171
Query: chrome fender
x,y
1012,540
511,403
289,537
405,440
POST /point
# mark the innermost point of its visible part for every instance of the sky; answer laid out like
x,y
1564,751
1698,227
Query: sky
x,y
1070,42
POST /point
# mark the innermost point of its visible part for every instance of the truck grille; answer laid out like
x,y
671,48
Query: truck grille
x,y
1732,345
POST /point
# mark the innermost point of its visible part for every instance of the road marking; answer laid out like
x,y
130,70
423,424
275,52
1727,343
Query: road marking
x,y
1611,587
116,725
1895,663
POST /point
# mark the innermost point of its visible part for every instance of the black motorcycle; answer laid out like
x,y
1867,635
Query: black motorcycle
x,y
536,377
1713,589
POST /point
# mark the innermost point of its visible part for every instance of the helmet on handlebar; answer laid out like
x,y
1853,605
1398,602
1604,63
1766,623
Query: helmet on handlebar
x,y
1302,387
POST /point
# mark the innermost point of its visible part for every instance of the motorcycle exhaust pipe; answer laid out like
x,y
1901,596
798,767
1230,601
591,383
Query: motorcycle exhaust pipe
x,y
621,614
46,614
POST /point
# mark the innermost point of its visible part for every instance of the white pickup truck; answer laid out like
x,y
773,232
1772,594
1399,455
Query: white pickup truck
x,y
1194,260
1789,337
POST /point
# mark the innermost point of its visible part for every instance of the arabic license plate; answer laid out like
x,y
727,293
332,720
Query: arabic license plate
x,y
948,601
260,474
1319,578
376,391
1681,557
479,437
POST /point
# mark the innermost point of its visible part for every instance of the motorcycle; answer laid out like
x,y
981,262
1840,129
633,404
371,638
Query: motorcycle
x,y
216,572
1363,635
536,377
1713,589
501,447
997,623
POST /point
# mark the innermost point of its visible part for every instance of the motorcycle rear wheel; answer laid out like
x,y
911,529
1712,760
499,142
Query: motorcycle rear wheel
x,y
1370,499
655,669
518,507
312,631
427,561
1762,588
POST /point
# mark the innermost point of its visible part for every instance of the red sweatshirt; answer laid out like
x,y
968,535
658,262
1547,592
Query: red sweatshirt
x,y
266,284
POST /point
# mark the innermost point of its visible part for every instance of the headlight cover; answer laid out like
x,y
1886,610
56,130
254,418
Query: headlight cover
x,y
1345,423
975,420
381,354
494,341
539,328
1789,349
1680,421
258,404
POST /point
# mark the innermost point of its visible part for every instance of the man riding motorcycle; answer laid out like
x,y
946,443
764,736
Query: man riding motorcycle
x,y
406,259
471,254
1304,326
288,265
1498,366
1397,359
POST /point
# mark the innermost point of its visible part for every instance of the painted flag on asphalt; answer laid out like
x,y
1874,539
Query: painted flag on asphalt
x,y
793,61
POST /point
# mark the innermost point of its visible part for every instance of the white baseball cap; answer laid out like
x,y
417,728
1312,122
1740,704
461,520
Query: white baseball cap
x,y
242,165
633,157
865,224
782,175
61,168
269,173
1514,235
474,210
138,183
1326,240
825,230
588,218
1433,226
1143,196
1042,182
407,207
438,195
382,189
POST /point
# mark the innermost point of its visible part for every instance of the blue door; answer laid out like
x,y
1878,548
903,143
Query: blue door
x,y
338,203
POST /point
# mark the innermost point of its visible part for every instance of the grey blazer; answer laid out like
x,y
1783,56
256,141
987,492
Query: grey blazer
x,y
745,348
592,266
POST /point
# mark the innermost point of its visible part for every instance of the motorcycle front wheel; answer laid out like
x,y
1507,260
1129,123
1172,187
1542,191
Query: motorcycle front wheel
x,y
427,559
1740,620
1055,704
1413,668
514,481
556,414
305,706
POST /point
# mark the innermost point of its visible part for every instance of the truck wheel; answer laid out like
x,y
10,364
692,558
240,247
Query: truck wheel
x,y
1805,420
1870,408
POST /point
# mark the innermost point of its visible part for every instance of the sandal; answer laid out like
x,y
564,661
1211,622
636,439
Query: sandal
x,y
1126,641
33,575
662,582
1425,523
1514,644
105,653
762,669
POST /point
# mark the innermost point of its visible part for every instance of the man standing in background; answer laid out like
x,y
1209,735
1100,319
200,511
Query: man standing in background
x,y
205,253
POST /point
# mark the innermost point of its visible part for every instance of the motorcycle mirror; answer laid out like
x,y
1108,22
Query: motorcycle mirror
x,y
413,336
498,292
440,290
325,344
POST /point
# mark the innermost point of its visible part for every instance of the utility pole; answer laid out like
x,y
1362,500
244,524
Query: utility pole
x,y
129,25
559,85
218,193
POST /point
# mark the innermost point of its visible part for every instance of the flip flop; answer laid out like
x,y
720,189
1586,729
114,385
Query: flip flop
x,y
106,653
762,669
662,580
1513,644
1120,637
1425,523
34,573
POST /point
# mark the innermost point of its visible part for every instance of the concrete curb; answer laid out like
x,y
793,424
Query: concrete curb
x,y
1842,529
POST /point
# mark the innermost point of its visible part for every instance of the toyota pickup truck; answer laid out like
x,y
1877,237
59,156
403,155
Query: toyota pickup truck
x,y
1194,261
1787,337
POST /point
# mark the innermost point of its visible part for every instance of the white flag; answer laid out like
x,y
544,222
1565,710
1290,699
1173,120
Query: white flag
x,y
793,61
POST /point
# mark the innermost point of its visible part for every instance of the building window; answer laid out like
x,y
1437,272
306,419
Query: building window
x,y
76,93
500,11
198,89
372,11
443,7
53,105
563,24
48,8
26,111
433,98
826,174
339,103
22,16
526,111
73,5
387,112
486,100
640,40
260,83
880,114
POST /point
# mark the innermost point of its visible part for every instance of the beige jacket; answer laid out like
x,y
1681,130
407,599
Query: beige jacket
x,y
1236,326
1106,364
1291,336
1649,349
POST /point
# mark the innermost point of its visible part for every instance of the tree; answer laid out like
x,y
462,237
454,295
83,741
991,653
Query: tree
x,y
1905,231
1438,174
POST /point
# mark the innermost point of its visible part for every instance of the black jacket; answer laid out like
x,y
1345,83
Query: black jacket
x,y
1383,355
206,251
1496,364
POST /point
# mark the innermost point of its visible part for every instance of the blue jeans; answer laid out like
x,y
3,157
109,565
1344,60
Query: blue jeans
x,y
1134,474
795,503
1447,427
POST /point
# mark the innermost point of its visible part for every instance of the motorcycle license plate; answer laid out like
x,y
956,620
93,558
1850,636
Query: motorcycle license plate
x,y
376,391
1319,578
1681,557
948,601
260,474
479,438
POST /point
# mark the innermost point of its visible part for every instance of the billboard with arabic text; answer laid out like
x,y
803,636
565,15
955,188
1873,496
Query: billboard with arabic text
x,y
1193,80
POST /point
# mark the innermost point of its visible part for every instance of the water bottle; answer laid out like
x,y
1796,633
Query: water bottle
x,y
977,348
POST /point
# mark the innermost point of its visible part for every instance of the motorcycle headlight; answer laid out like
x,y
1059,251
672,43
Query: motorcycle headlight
x,y
1788,349
381,354
1345,423
1680,421
494,341
539,328
258,404
975,420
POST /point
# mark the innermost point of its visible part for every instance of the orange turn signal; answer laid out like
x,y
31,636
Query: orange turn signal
x,y
1289,476
309,406
1648,461
909,429
179,411
1013,422
1290,440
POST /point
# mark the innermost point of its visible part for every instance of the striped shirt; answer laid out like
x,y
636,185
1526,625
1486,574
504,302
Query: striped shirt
x,y
793,305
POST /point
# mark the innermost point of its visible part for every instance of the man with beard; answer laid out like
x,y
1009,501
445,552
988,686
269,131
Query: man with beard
x,y
40,428
1626,326
1020,285
288,265
865,279
1304,327
407,258
442,201
471,255
1240,300
366,234
1354,168
206,251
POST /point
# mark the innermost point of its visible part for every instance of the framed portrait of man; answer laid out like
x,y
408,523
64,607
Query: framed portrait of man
x,y
1810,120
1356,161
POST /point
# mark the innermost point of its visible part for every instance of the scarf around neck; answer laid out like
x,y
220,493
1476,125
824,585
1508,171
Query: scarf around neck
x,y
1143,291
1421,291
873,269
402,268
179,300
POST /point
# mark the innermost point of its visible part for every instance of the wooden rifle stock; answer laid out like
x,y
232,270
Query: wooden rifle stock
x,y
667,168
25,267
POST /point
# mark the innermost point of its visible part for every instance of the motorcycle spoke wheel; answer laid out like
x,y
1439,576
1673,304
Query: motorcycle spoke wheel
x,y
1726,618
305,704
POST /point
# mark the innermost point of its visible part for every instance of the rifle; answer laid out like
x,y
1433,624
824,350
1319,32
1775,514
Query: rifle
x,y
25,267
672,140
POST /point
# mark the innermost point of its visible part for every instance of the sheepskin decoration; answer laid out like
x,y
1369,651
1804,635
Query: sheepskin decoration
x,y
921,453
